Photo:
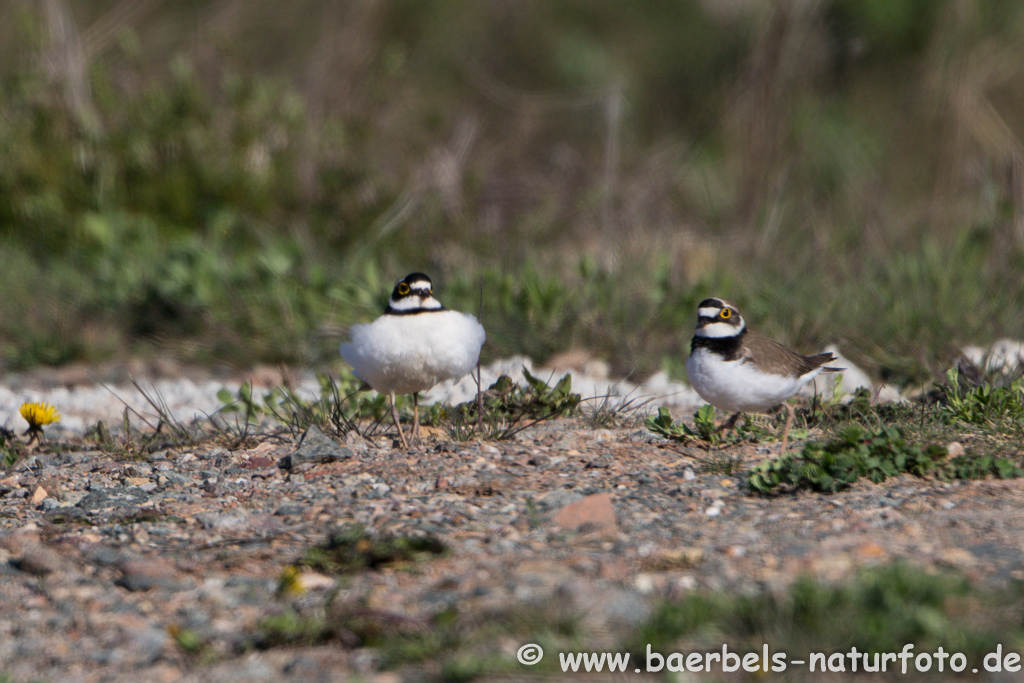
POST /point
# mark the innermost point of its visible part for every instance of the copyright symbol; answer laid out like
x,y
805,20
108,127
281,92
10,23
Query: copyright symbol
x,y
530,654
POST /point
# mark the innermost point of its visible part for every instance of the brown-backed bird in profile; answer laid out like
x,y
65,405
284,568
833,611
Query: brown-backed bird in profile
x,y
740,371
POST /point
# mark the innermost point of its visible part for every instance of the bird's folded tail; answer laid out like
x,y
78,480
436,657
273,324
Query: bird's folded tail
x,y
826,357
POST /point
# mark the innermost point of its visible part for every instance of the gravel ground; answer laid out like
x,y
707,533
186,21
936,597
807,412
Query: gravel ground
x,y
103,560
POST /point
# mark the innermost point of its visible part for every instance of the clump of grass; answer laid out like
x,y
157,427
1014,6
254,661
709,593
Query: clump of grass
x,y
351,548
190,642
398,639
880,610
839,411
706,432
134,438
289,628
334,411
508,408
607,412
8,451
988,404
341,409
830,466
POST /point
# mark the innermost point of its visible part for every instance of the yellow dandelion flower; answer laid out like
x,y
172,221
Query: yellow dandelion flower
x,y
37,415
290,581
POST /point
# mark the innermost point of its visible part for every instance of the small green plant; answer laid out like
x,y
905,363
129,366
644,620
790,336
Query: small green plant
x,y
987,404
834,409
705,431
130,441
965,467
703,425
508,408
291,628
241,402
609,411
334,411
399,639
721,462
834,465
878,610
350,548
538,400
187,639
8,456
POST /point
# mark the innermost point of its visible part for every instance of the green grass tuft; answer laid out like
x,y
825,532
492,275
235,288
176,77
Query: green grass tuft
x,y
351,549
878,611
830,466
985,405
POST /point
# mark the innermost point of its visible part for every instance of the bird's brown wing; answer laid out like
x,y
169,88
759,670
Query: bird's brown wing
x,y
772,356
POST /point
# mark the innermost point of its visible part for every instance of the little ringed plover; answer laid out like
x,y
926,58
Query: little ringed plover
x,y
737,370
415,345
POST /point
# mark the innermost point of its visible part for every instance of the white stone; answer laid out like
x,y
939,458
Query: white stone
x,y
1005,356
851,378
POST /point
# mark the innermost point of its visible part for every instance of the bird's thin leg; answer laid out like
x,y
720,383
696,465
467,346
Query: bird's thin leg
x,y
398,425
415,416
789,423
479,400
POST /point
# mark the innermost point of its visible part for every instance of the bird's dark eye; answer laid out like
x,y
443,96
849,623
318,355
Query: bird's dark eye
x,y
725,314
403,288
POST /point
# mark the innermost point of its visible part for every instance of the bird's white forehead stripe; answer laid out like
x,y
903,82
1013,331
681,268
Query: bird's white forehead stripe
x,y
414,303
717,330
708,312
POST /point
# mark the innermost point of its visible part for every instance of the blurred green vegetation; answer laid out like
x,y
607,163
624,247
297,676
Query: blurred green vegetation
x,y
225,185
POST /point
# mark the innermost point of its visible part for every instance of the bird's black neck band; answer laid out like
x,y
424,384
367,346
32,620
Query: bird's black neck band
x,y
411,311
727,347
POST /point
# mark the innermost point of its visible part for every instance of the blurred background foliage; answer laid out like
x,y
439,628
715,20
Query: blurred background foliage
x,y
237,181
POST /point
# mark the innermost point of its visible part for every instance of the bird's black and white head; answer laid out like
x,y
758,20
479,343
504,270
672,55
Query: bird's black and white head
x,y
718,318
413,294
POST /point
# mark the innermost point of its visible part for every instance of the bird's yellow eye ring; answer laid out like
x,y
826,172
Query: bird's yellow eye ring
x,y
403,288
725,314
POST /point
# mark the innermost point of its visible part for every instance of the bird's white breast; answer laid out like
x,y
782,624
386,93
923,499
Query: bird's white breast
x,y
410,353
738,385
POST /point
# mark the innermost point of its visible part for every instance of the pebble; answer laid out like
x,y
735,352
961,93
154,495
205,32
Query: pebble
x,y
315,448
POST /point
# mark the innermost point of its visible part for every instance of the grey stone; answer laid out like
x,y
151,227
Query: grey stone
x,y
223,521
108,498
557,499
66,514
215,453
147,644
104,555
315,447
73,497
39,560
144,575
176,479
72,457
